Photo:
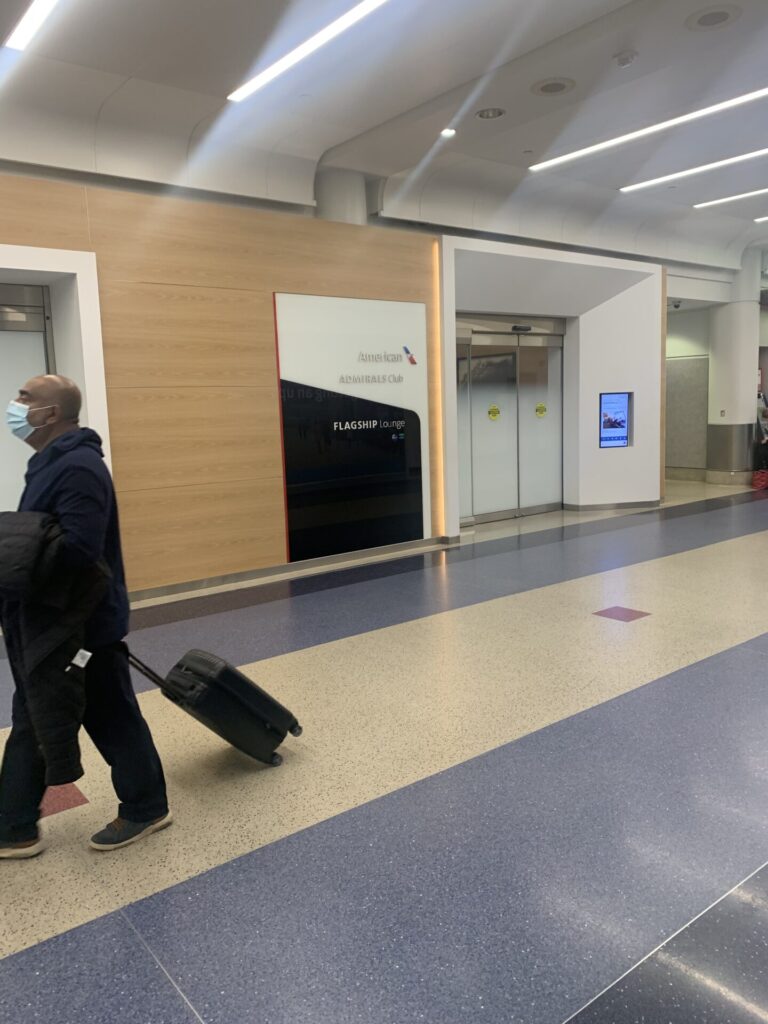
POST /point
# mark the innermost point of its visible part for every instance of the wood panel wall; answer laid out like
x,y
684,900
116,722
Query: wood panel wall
x,y
189,344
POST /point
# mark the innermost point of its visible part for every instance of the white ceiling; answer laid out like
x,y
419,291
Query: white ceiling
x,y
492,283
138,90
480,178
163,70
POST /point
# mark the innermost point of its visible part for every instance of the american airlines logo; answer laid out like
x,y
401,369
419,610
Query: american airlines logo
x,y
388,357
380,357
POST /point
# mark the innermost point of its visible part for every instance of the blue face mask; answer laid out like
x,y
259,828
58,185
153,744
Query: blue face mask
x,y
16,418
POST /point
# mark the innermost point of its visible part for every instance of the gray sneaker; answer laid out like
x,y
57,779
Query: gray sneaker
x,y
120,833
21,851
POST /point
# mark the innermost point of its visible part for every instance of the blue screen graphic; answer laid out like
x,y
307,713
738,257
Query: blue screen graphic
x,y
614,419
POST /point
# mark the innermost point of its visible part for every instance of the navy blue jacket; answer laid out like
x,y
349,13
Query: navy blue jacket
x,y
69,480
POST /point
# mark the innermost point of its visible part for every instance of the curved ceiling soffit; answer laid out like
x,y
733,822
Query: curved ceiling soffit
x,y
77,119
641,230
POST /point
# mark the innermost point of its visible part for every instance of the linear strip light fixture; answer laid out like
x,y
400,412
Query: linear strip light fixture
x,y
695,170
730,199
303,51
30,24
760,220
641,133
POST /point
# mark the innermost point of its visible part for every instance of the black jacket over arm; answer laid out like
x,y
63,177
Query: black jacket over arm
x,y
46,605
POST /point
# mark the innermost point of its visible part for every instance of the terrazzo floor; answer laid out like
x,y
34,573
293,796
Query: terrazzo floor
x,y
501,803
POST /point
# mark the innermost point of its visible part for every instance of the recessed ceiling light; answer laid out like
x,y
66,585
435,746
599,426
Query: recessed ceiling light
x,y
673,122
553,86
448,133
730,199
696,170
312,44
490,113
30,24
713,17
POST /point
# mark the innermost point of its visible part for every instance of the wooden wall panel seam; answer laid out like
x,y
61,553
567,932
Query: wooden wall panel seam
x,y
202,483
224,262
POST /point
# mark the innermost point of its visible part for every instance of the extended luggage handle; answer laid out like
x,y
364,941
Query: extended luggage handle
x,y
170,687
145,670
194,690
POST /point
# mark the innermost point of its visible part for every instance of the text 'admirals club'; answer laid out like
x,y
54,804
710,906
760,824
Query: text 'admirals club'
x,y
371,378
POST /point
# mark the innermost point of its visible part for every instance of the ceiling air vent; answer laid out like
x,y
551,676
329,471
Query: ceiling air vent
x,y
553,86
713,17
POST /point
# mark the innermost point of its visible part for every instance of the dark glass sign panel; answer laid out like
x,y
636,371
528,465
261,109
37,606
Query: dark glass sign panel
x,y
353,472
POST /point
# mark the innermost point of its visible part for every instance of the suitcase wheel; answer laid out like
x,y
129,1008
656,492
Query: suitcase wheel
x,y
296,730
276,761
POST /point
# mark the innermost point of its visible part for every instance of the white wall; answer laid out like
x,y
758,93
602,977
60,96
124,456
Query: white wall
x,y
73,282
613,343
614,347
688,333
22,356
764,328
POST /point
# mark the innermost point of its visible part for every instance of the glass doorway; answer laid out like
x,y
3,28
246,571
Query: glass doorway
x,y
510,386
25,352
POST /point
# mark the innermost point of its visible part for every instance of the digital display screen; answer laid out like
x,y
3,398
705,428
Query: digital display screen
x,y
614,419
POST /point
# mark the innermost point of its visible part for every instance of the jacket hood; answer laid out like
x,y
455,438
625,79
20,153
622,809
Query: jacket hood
x,y
81,437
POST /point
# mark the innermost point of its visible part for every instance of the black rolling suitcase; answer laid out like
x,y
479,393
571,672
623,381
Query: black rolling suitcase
x,y
227,702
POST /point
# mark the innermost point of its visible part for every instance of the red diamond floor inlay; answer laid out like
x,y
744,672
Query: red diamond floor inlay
x,y
61,798
622,614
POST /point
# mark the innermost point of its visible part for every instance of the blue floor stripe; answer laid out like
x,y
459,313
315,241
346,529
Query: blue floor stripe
x,y
327,608
454,580
112,977
511,888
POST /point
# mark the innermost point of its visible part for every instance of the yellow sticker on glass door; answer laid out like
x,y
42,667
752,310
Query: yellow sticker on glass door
x,y
541,410
494,412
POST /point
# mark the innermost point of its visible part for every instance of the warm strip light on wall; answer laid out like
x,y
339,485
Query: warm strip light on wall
x,y
437,412
641,133
696,170
30,24
303,51
730,199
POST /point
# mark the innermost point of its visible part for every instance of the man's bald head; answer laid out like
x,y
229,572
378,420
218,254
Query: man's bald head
x,y
58,391
53,407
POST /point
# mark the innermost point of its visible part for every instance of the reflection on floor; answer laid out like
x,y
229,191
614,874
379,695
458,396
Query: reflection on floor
x,y
713,970
678,492
501,803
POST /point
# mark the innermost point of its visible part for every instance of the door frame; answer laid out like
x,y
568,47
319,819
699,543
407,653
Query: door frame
x,y
520,332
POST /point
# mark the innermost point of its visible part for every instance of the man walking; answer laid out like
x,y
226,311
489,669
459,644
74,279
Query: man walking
x,y
67,479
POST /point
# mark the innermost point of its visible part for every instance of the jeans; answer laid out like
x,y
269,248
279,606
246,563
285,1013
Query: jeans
x,y
114,722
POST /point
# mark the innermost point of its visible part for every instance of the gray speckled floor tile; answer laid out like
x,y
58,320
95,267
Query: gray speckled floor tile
x,y
511,888
92,975
455,579
713,971
465,577
384,709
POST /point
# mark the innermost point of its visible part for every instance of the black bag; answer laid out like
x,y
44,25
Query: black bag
x,y
227,702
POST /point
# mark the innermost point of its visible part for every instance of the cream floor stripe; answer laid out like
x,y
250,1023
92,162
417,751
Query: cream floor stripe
x,y
385,709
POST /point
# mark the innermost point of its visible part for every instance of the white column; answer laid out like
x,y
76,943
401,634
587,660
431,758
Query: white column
x,y
340,195
733,364
451,489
